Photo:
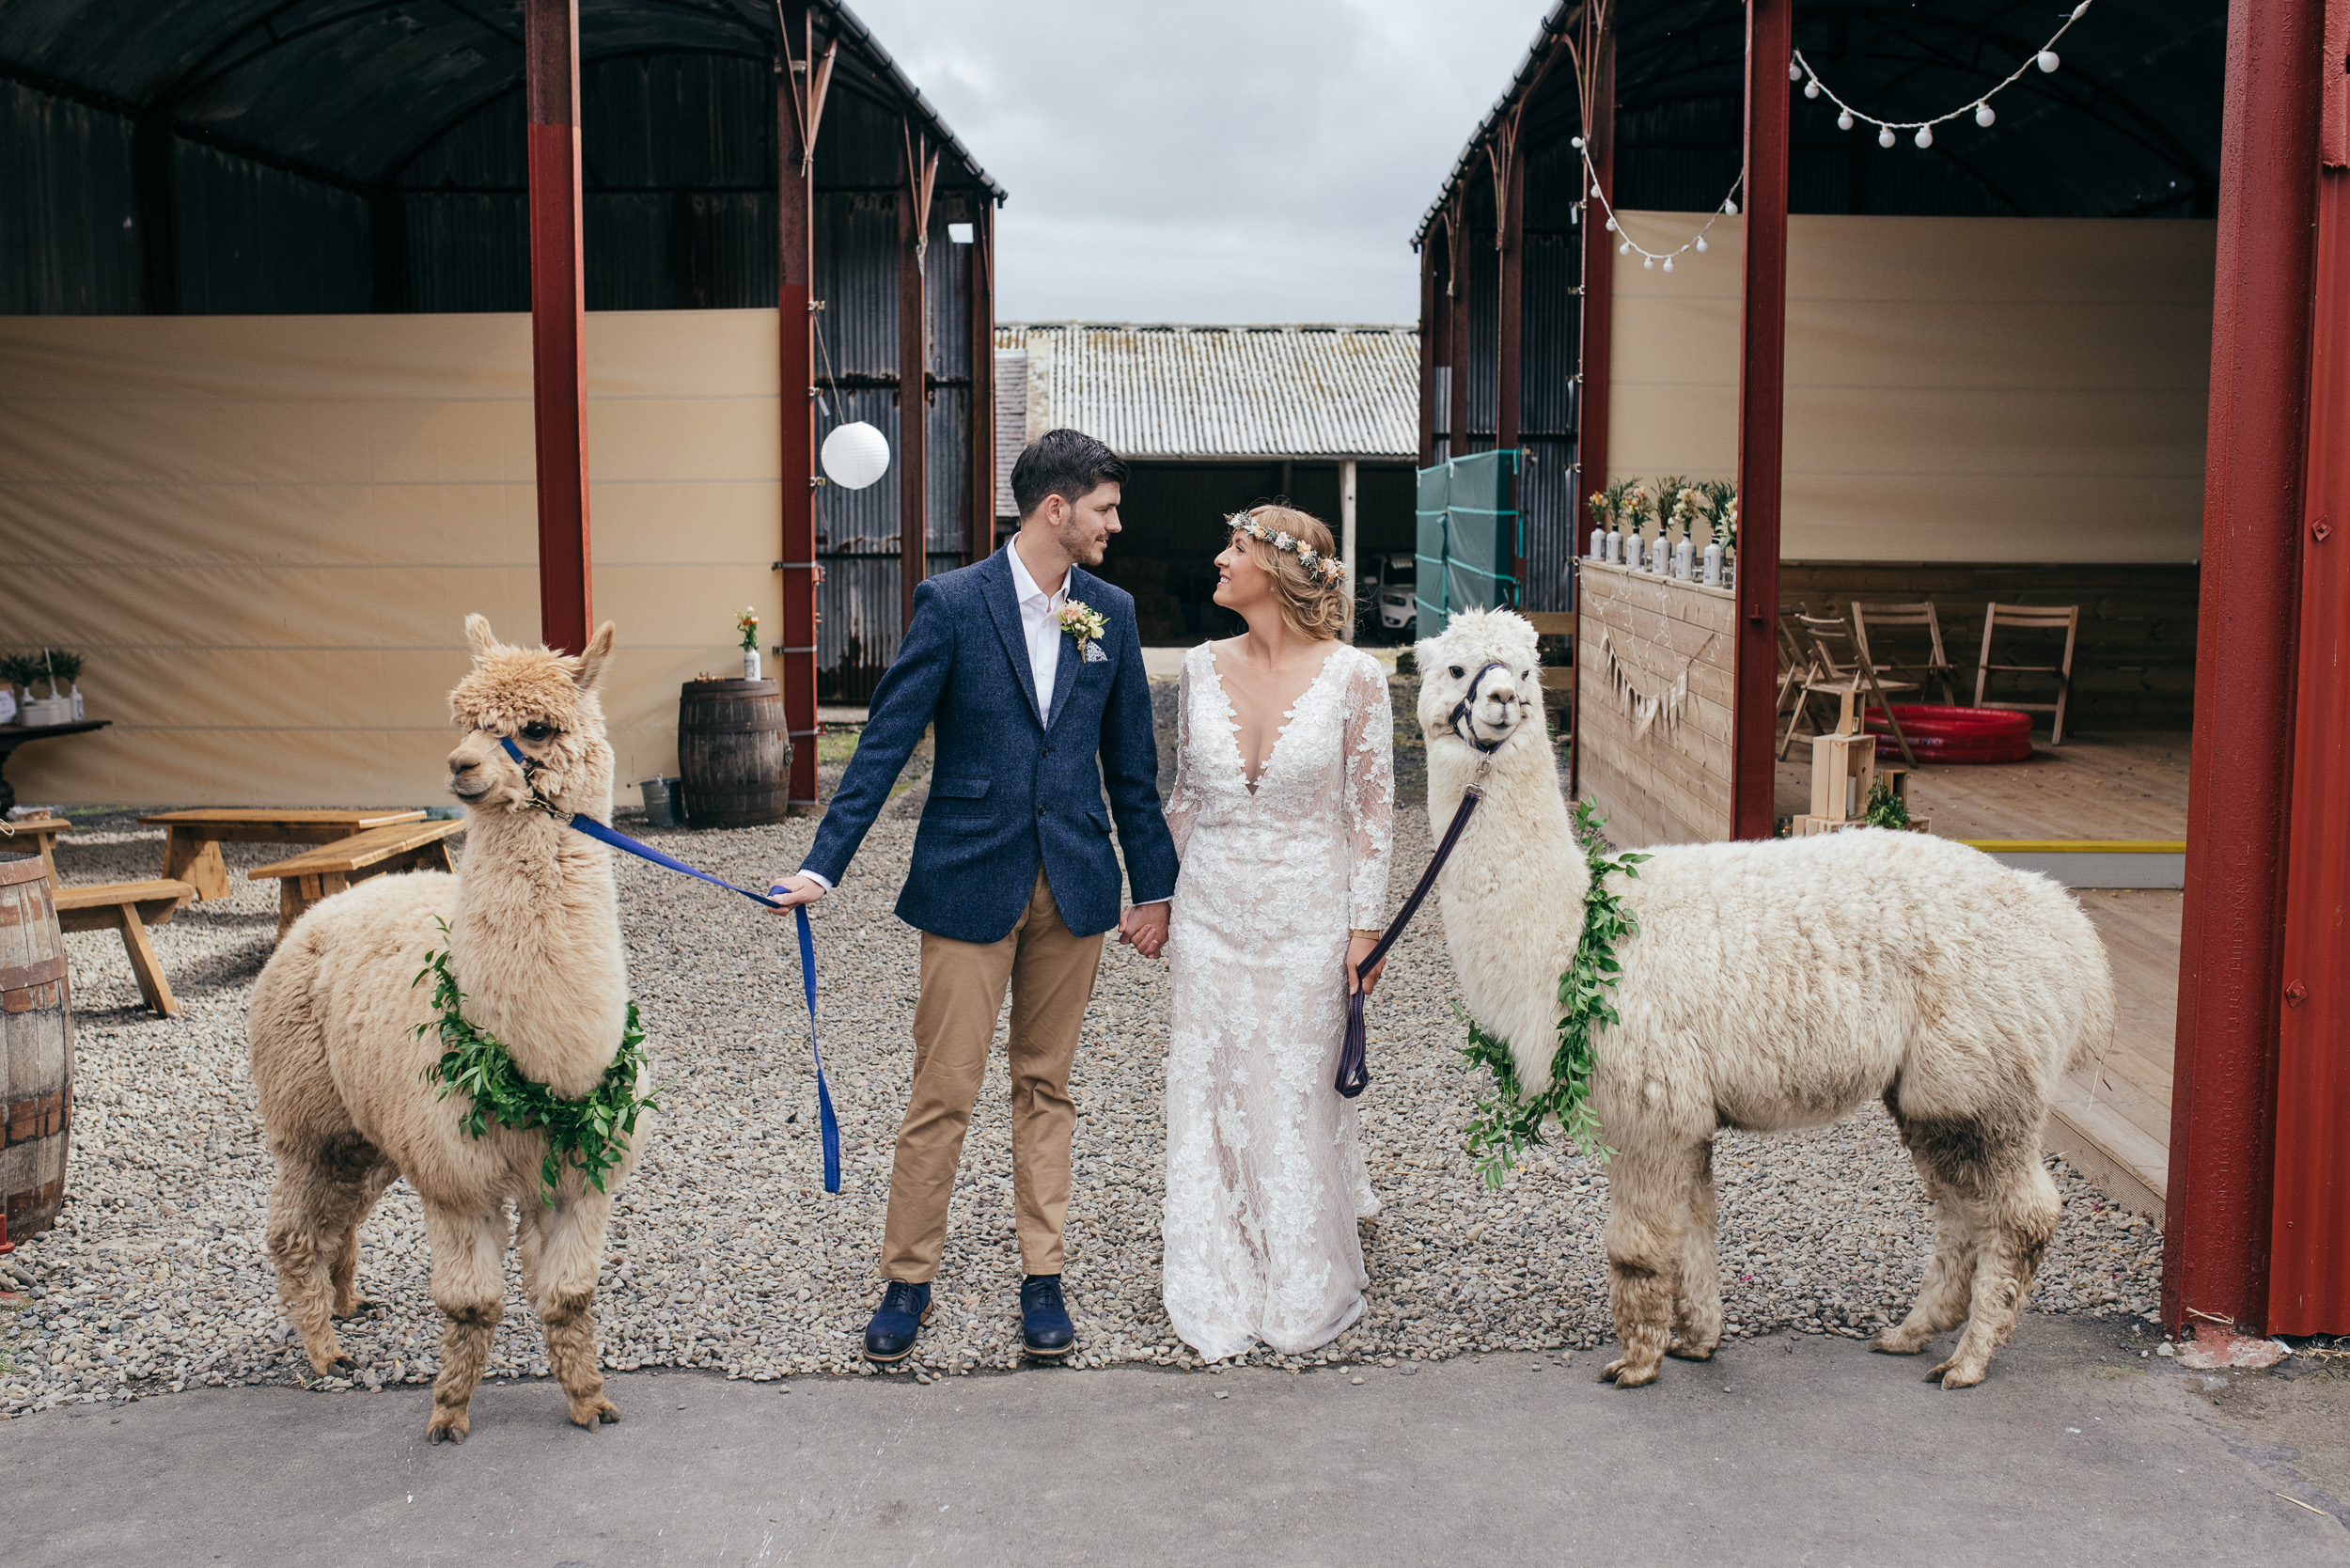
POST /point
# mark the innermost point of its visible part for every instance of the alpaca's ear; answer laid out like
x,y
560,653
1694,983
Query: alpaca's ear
x,y
478,635
591,659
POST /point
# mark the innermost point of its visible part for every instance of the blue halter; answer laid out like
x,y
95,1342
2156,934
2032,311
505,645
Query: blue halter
x,y
827,1124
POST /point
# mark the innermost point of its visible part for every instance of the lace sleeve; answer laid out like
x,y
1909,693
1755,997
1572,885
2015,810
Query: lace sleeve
x,y
1182,801
1370,793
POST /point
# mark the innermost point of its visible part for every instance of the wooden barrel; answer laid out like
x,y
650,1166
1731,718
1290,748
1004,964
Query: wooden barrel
x,y
36,1050
733,753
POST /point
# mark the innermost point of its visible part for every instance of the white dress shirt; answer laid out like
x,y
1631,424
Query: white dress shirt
x,y
1039,624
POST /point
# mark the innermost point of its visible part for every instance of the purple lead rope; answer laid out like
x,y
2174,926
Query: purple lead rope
x,y
1353,1065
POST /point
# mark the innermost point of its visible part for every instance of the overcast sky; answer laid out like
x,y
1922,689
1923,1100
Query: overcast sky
x,y
1212,160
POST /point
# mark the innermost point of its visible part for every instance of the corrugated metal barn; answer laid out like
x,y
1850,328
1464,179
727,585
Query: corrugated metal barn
x,y
255,157
1213,418
2128,128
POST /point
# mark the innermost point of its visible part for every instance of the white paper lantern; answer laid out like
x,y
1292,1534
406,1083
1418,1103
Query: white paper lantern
x,y
856,455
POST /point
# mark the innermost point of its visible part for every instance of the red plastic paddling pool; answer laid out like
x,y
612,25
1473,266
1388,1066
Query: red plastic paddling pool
x,y
1955,735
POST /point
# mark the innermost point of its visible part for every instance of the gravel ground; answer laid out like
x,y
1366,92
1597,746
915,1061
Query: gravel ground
x,y
727,1254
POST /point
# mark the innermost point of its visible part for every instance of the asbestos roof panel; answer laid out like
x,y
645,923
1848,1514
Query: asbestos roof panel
x,y
1152,391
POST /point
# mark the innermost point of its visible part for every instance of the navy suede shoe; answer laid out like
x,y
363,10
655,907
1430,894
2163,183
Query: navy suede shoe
x,y
1044,1326
897,1323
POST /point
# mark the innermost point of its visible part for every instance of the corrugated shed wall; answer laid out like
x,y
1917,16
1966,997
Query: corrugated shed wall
x,y
69,241
1241,391
269,242
1011,422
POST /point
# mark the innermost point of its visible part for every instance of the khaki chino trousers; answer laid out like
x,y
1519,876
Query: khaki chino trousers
x,y
1051,974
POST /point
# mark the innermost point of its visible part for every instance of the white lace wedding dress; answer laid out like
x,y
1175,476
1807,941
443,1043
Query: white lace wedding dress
x,y
1265,1176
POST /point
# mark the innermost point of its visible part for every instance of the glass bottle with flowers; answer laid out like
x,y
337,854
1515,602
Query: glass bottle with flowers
x,y
747,624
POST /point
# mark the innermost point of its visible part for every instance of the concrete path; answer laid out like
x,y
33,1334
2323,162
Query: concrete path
x,y
1792,1450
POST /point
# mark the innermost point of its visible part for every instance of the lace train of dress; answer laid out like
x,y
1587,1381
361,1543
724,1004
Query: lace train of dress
x,y
1265,1176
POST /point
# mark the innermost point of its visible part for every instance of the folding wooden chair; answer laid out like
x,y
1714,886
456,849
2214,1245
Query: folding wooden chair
x,y
1794,662
1935,667
2045,618
1841,670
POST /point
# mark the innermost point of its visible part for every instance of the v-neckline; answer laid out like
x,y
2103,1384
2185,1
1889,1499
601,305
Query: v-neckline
x,y
1289,716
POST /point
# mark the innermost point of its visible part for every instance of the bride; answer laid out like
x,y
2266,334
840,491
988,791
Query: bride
x,y
1284,794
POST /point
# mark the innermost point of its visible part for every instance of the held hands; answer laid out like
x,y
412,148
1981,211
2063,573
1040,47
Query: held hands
x,y
794,890
1143,928
1359,947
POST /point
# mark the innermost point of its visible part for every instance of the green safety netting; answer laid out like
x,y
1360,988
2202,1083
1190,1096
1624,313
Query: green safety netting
x,y
1469,537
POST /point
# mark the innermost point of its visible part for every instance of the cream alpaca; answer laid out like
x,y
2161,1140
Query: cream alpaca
x,y
534,943
1771,986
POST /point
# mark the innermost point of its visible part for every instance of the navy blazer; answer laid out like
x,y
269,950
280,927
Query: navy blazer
x,y
1011,788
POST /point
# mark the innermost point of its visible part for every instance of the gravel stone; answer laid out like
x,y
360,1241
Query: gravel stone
x,y
727,1255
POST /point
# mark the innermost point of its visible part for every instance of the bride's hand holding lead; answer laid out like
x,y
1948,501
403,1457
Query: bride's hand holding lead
x,y
1265,671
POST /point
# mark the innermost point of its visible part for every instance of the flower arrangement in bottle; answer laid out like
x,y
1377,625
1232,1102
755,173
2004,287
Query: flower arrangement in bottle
x,y
747,624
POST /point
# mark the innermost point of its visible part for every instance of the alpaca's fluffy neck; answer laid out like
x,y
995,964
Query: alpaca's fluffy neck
x,y
536,947
1513,894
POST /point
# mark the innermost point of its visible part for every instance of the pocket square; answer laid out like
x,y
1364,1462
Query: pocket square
x,y
1093,654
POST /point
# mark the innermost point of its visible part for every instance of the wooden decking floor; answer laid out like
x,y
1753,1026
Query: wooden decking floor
x,y
2113,1117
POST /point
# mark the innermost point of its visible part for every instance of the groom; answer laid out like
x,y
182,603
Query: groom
x,y
1031,670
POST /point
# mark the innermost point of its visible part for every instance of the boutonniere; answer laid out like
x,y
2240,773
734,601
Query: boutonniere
x,y
1084,623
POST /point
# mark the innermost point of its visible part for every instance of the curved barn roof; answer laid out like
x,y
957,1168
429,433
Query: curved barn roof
x,y
2128,126
348,91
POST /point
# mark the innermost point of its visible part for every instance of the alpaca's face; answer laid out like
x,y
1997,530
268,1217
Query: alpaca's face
x,y
1462,664
545,702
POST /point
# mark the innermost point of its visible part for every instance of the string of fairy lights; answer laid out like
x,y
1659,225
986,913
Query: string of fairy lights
x,y
1800,70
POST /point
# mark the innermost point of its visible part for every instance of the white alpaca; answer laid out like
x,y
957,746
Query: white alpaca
x,y
1771,986
534,944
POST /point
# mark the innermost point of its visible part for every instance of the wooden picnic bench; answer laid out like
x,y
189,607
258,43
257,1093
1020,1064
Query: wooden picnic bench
x,y
129,907
192,840
42,832
321,872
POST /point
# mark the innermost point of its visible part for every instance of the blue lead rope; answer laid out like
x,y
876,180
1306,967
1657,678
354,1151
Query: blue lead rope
x,y
827,1123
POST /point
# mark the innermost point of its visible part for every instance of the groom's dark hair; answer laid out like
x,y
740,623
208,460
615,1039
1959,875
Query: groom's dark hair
x,y
1067,464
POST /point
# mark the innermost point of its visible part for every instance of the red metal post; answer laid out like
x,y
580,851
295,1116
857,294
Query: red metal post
x,y
795,670
2308,1275
1599,261
1510,194
1431,348
913,367
1761,416
1459,350
979,521
2218,1205
558,307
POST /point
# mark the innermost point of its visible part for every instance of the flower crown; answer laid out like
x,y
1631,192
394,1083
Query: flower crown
x,y
1328,568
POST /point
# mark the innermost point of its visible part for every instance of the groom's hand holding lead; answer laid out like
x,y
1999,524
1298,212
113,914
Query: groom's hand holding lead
x,y
795,890
1143,928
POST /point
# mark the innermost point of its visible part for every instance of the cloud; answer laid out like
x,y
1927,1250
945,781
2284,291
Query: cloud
x,y
1221,161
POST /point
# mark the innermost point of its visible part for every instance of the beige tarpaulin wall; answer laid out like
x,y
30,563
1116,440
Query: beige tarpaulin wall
x,y
263,534
1958,390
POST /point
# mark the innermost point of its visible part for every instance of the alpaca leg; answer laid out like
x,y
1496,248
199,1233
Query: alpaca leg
x,y
1698,1300
303,1219
2016,1223
1644,1228
468,1287
562,1250
344,1273
1941,1303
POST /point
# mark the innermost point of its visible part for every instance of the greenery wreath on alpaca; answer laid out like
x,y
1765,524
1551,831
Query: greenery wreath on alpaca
x,y
590,1132
1511,1120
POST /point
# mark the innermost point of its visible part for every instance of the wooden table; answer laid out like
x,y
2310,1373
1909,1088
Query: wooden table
x,y
14,735
43,833
323,872
192,840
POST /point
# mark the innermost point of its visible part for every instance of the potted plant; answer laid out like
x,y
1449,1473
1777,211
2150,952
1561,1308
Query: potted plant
x,y
748,623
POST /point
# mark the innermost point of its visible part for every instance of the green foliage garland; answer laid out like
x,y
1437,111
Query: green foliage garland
x,y
1886,809
1511,1120
589,1133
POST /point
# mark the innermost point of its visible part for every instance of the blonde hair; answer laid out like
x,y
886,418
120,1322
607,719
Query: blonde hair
x,y
1314,605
